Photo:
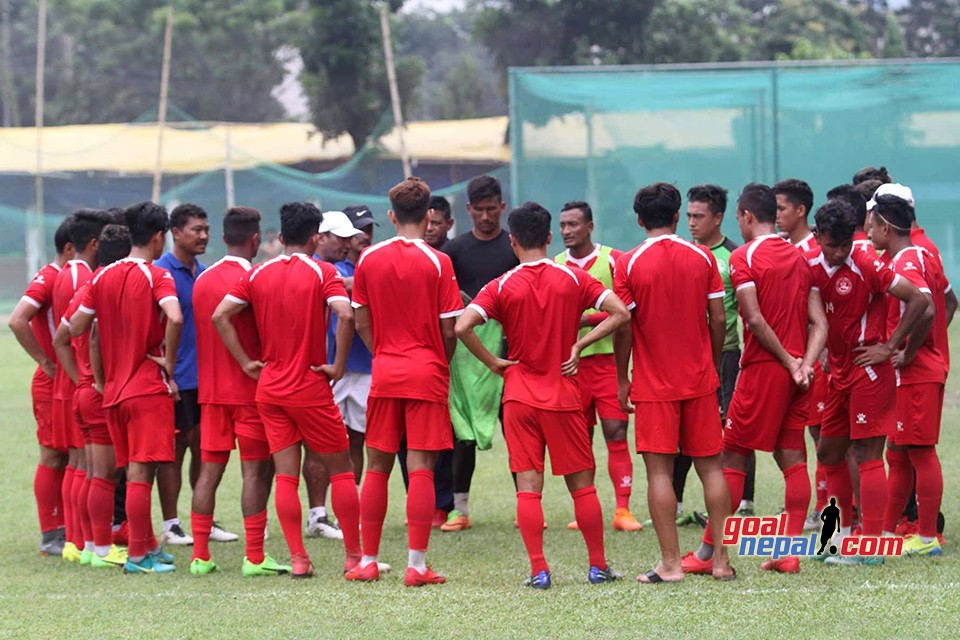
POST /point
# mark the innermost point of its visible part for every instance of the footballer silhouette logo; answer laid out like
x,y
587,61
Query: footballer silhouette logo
x,y
830,517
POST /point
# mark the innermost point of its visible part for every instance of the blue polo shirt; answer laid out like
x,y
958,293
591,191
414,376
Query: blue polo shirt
x,y
185,373
359,359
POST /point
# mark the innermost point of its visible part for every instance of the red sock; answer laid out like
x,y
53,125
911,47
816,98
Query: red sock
x,y
200,524
66,498
46,490
530,519
586,508
821,479
620,466
873,496
421,500
735,481
840,486
797,497
373,509
346,504
138,518
290,512
100,508
80,497
899,487
929,488
254,526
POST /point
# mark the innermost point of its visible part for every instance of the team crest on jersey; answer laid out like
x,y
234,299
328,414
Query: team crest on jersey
x,y
844,285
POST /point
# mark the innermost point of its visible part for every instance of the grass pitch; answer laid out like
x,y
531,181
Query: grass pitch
x,y
48,598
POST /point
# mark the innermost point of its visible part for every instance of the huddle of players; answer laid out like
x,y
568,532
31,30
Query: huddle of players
x,y
270,390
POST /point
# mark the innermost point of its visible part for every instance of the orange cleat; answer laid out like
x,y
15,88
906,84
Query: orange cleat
x,y
690,563
302,567
788,564
416,579
456,522
369,573
573,526
623,520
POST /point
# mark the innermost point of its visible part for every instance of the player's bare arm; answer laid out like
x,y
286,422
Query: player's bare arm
x,y
20,326
951,304
754,321
171,309
466,334
96,361
622,349
61,345
344,338
228,333
917,336
717,319
448,331
364,327
80,322
616,316
816,336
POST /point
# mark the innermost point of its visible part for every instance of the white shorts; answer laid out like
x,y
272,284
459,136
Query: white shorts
x,y
350,394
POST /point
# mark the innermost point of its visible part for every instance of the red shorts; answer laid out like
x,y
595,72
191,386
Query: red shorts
x,y
426,425
867,410
530,431
692,426
66,431
766,405
91,416
222,426
919,407
142,429
597,377
319,426
818,397
43,414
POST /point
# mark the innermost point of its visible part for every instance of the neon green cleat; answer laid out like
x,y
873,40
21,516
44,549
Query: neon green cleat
x,y
854,561
86,557
115,558
71,553
269,567
912,546
201,567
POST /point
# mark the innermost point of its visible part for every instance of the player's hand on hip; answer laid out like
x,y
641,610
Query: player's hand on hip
x,y
174,390
98,387
160,361
873,355
328,370
569,368
253,368
500,365
50,369
623,395
899,359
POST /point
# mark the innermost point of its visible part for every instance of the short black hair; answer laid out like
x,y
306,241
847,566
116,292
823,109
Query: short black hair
x,y
760,200
896,212
85,225
117,216
872,173
850,193
145,220
183,212
656,205
114,244
797,192
484,188
583,206
439,203
239,225
530,225
409,200
836,218
713,195
868,187
299,221
62,235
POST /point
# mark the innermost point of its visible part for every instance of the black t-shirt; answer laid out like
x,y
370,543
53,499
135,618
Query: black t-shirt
x,y
477,262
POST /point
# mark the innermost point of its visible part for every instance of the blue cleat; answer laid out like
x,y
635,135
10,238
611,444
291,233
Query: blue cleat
x,y
161,556
599,576
539,581
148,565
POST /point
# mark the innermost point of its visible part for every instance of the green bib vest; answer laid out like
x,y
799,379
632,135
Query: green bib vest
x,y
600,269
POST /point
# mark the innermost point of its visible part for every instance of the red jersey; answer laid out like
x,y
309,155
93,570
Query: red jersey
x,y
782,279
808,244
853,299
80,344
289,296
862,245
126,296
666,282
920,238
924,270
40,295
74,275
221,379
408,287
539,305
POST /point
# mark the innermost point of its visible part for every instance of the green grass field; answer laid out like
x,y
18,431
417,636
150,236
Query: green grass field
x,y
48,598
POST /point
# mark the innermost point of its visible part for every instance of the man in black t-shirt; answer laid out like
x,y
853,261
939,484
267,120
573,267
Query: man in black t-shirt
x,y
479,256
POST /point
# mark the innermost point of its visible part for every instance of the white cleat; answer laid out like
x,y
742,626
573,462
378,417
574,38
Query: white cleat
x,y
323,528
175,535
219,534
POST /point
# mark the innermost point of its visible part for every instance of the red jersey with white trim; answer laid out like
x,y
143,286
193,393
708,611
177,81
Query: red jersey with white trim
x,y
74,275
924,270
853,296
409,287
862,245
221,379
39,294
920,238
80,344
666,282
539,305
781,277
808,244
126,296
289,296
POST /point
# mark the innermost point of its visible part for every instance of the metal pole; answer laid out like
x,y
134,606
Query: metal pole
x,y
228,170
8,91
162,110
394,91
34,226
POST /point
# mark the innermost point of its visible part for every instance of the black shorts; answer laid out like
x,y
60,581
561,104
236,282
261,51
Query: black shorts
x,y
187,411
729,370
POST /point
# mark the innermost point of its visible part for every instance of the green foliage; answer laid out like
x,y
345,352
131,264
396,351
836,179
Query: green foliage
x,y
894,42
932,27
699,31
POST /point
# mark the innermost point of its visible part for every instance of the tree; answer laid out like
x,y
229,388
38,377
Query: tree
x,y
894,43
932,27
812,29
699,31
462,91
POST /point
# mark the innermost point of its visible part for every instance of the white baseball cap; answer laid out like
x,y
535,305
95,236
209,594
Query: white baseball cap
x,y
337,223
891,189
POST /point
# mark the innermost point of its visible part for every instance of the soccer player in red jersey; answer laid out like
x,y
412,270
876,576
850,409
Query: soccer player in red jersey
x,y
794,203
540,305
597,372
290,296
921,374
138,323
96,503
675,292
861,397
786,330
407,300
229,417
32,324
